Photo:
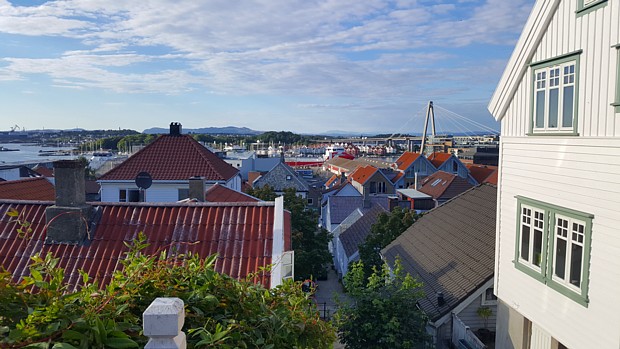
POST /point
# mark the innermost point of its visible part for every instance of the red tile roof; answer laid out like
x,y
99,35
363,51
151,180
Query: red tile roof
x,y
405,160
37,188
481,172
363,174
331,181
397,177
172,157
437,159
220,193
241,234
443,186
44,171
493,178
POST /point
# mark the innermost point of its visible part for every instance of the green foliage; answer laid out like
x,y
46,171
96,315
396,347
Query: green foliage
x,y
138,139
89,173
283,137
383,313
388,227
310,242
43,311
485,313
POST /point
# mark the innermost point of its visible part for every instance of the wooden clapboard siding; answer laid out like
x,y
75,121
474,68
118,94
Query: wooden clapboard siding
x,y
594,33
580,173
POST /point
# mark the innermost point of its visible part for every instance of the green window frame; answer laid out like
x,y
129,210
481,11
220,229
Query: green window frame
x,y
553,246
587,6
554,99
616,103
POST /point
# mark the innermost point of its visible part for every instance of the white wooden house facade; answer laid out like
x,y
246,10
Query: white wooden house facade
x,y
558,245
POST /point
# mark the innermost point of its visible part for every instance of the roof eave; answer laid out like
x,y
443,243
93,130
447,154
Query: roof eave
x,y
517,66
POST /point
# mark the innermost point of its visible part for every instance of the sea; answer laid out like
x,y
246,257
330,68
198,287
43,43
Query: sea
x,y
30,154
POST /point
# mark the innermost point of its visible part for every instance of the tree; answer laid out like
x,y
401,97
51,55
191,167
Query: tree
x,y
220,311
388,227
310,242
383,313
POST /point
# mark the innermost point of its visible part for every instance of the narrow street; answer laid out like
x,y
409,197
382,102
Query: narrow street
x,y
326,292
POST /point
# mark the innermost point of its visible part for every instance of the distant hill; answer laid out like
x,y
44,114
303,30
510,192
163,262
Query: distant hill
x,y
229,130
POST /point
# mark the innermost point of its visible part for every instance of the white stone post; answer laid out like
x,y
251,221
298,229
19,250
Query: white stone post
x,y
162,323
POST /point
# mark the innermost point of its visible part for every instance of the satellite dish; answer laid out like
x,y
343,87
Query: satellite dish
x,y
144,180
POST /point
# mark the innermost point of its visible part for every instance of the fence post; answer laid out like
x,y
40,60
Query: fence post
x,y
162,323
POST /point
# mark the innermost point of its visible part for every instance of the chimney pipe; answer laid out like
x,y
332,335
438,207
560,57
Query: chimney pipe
x,y
343,177
415,183
197,188
68,220
441,301
175,128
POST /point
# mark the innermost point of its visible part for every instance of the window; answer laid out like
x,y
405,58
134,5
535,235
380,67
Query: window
x,y
373,187
587,6
310,201
183,193
455,167
488,297
128,195
381,187
554,99
553,246
616,103
288,177
288,262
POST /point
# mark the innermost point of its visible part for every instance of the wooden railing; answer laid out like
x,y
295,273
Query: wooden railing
x,y
463,337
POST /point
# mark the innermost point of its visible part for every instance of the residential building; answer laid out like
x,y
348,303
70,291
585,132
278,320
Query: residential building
x,y
370,180
451,164
451,250
246,236
170,161
282,177
412,166
14,172
558,101
442,186
338,203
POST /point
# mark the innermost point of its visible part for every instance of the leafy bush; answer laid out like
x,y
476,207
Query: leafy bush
x,y
43,311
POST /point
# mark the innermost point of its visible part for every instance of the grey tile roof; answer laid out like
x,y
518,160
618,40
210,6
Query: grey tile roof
x,y
357,232
450,249
277,179
340,207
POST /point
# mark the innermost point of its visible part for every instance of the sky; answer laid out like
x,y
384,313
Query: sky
x,y
307,66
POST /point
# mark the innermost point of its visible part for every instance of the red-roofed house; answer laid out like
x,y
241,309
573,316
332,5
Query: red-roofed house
x,y
37,188
220,193
451,164
481,172
409,164
170,160
443,186
370,180
245,236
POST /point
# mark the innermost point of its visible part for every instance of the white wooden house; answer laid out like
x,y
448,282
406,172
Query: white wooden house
x,y
558,245
171,160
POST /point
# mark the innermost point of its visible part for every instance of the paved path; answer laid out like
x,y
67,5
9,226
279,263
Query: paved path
x,y
325,293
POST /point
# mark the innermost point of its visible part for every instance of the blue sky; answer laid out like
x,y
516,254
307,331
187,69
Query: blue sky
x,y
297,65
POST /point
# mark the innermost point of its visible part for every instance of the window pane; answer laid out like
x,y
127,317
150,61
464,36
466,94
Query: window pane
x,y
525,242
575,265
122,195
540,109
560,258
537,247
567,108
134,196
554,96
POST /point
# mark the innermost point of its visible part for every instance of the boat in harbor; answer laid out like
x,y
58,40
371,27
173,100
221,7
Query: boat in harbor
x,y
7,149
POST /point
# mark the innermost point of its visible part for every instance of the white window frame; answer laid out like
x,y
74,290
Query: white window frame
x,y
532,220
126,191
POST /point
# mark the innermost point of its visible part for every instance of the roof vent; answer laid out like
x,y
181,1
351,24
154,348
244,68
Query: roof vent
x,y
441,301
175,128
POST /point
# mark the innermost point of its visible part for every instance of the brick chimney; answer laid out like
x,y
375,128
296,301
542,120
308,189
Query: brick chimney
x,y
69,218
175,128
197,188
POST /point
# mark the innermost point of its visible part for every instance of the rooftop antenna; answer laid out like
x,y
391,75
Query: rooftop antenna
x,y
430,113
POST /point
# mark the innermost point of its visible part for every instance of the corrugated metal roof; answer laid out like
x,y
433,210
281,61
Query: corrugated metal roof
x,y
450,249
241,234
172,157
37,188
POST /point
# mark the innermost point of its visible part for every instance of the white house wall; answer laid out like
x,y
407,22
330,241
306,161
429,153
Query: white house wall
x,y
595,33
579,173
